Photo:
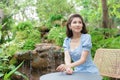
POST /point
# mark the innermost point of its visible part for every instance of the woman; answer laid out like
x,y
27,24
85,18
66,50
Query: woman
x,y
77,48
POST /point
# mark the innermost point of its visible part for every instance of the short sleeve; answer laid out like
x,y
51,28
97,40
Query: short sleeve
x,y
87,44
65,44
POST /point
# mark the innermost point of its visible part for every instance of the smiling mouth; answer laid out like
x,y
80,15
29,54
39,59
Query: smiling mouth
x,y
77,28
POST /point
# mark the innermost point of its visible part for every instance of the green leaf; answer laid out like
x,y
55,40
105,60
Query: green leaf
x,y
1,74
7,75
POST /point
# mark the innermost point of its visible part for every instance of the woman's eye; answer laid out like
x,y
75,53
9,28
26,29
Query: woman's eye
x,y
74,22
80,22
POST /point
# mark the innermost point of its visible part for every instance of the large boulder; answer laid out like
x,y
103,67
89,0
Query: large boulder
x,y
43,59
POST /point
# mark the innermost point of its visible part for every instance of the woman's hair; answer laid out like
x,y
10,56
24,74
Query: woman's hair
x,y
69,32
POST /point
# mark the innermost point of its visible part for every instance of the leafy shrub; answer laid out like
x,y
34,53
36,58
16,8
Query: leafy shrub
x,y
29,44
27,35
51,21
24,26
25,39
7,67
57,35
99,41
55,17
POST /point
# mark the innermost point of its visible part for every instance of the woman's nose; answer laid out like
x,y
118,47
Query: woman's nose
x,y
77,24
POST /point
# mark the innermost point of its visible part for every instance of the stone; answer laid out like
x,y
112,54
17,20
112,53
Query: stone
x,y
43,59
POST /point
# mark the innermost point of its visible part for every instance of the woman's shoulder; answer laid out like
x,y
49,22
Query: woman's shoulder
x,y
67,39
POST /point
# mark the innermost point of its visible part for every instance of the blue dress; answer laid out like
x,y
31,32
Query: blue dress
x,y
85,44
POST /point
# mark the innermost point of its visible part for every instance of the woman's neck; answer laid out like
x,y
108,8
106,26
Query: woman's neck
x,y
75,36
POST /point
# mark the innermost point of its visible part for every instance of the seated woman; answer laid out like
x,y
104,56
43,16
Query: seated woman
x,y
77,48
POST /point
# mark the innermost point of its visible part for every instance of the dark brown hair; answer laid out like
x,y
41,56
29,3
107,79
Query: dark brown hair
x,y
68,31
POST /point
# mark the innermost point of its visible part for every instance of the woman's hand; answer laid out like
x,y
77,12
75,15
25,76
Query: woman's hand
x,y
64,68
61,68
69,71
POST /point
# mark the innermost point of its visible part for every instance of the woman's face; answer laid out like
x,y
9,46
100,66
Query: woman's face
x,y
76,25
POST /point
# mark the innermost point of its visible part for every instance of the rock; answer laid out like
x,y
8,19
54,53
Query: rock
x,y
43,59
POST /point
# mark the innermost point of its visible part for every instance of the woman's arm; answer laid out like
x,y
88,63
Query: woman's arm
x,y
67,61
67,58
81,60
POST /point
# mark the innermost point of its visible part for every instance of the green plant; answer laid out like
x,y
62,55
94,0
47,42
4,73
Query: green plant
x,y
24,26
7,67
13,70
26,36
5,28
57,35
106,78
0,32
54,21
99,41
55,17
3,64
29,45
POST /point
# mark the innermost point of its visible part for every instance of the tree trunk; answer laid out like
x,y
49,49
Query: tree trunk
x,y
105,21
